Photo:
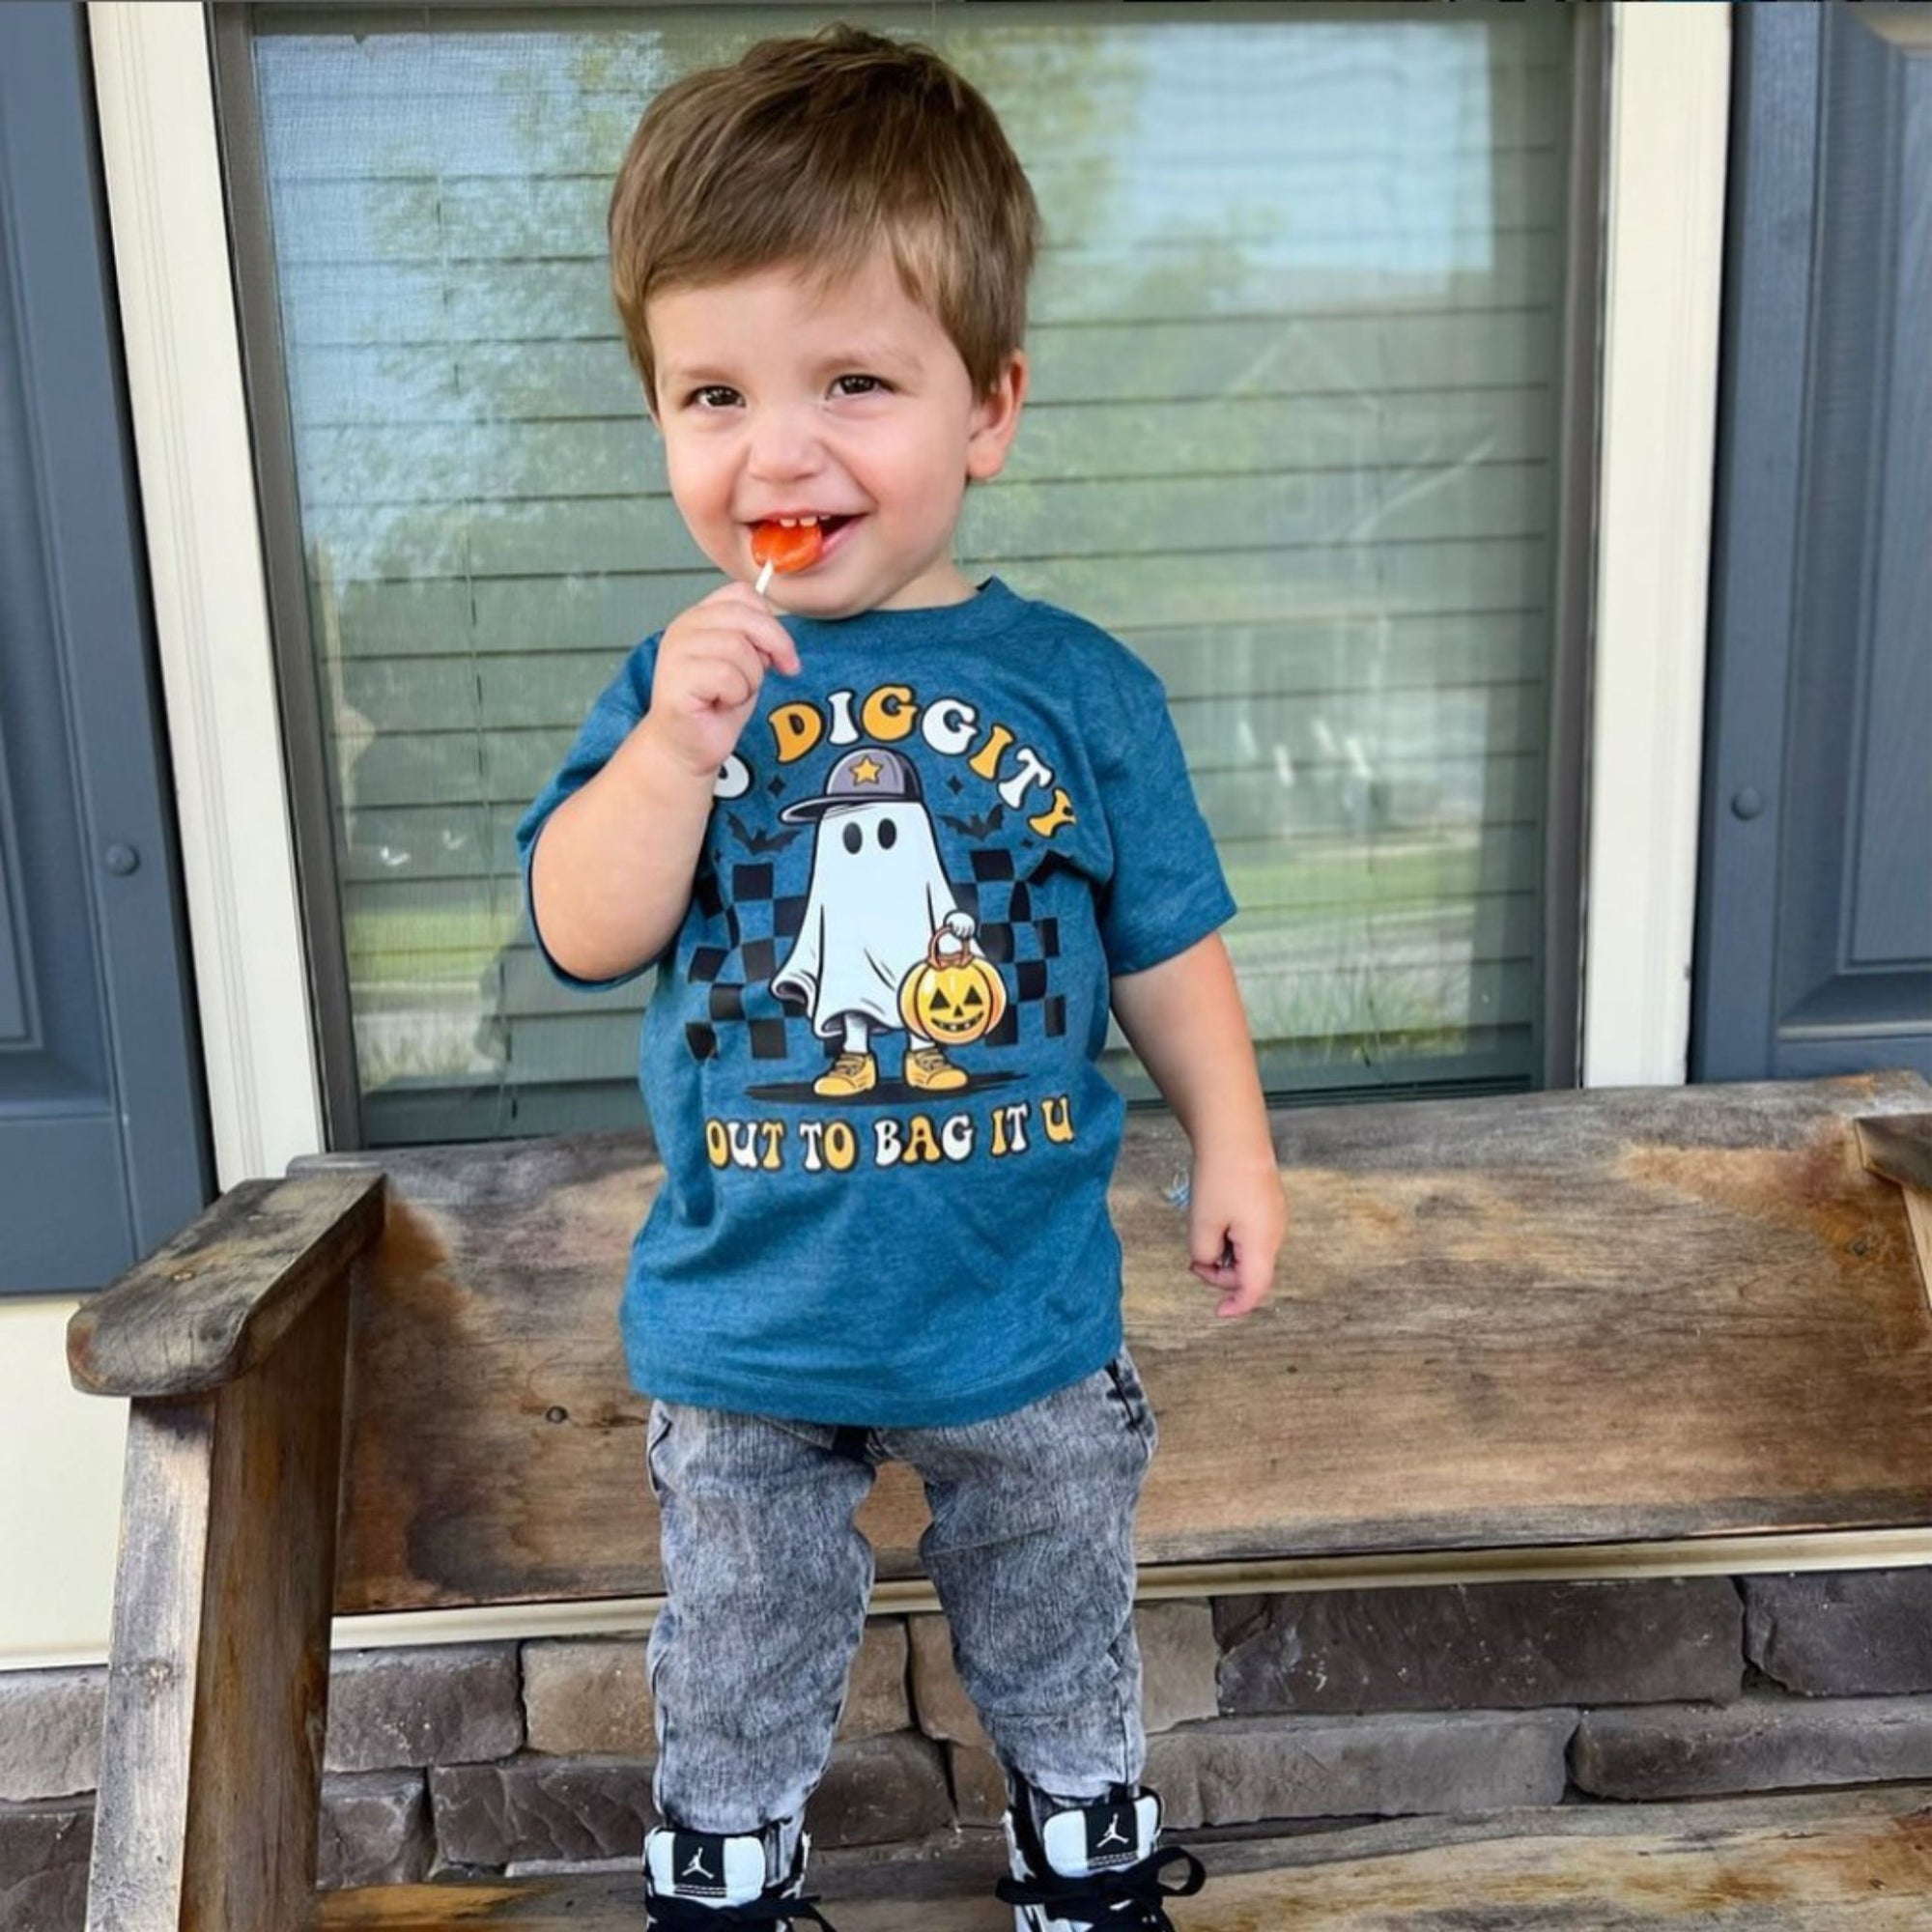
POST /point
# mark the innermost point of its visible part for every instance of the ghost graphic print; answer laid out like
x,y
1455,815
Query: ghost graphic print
x,y
877,897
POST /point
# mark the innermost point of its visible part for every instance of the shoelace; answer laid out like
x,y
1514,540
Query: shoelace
x,y
1128,1900
680,1915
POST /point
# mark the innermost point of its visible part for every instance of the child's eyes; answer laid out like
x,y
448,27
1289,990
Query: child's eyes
x,y
713,396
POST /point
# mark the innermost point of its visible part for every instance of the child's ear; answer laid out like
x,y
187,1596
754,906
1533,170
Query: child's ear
x,y
996,415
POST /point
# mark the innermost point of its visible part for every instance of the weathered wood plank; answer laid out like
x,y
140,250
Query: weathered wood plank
x,y
209,1304
1545,1318
1816,1863
140,1830
1554,1318
219,1679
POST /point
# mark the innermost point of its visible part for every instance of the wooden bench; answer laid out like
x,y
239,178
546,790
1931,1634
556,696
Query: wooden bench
x,y
1554,1322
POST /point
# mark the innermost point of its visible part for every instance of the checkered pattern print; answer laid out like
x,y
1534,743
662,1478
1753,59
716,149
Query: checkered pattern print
x,y
749,930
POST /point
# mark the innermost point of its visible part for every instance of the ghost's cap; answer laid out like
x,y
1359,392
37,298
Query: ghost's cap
x,y
869,776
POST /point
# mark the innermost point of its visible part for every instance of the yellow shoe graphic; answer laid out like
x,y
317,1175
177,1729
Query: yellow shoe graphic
x,y
928,1068
851,1073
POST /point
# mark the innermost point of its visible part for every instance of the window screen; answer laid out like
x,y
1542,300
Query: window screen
x,y
1297,337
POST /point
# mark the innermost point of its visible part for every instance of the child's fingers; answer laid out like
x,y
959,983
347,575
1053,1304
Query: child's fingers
x,y
773,642
1248,1296
763,635
1240,1274
727,678
753,617
729,640
735,611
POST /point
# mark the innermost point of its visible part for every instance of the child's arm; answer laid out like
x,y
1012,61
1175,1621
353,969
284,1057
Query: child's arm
x,y
610,876
1185,1018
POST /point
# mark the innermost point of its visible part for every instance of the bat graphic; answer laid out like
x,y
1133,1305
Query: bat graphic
x,y
762,841
977,828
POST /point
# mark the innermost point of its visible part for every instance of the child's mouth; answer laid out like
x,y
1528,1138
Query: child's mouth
x,y
796,547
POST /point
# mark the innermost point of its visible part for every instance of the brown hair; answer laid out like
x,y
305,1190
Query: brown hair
x,y
814,150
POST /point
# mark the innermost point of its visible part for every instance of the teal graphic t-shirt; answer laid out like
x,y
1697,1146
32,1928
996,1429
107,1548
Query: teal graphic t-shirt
x,y
870,1054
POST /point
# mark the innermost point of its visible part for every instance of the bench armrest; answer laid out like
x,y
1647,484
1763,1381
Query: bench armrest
x,y
209,1304
1899,1146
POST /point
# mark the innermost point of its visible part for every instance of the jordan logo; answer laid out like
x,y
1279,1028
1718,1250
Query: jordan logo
x,y
1109,1846
696,1866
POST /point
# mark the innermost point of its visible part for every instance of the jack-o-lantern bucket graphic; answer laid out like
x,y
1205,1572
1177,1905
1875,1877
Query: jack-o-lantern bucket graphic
x,y
955,994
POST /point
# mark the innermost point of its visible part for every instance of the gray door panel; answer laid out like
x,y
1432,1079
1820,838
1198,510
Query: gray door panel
x,y
102,1136
1815,903
12,936
55,1238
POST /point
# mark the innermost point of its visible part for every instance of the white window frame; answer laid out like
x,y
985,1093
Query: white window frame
x,y
1664,174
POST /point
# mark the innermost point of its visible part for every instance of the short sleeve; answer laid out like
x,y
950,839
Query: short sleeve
x,y
621,703
1167,891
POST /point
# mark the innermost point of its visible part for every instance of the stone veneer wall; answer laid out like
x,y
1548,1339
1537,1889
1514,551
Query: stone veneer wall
x,y
1338,1704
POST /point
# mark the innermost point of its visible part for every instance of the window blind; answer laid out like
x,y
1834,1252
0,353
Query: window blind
x,y
1298,341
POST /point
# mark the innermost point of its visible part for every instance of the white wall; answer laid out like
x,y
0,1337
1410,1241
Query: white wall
x,y
60,1494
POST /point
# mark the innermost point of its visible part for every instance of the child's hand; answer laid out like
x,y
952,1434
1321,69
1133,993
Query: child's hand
x,y
711,662
1236,1218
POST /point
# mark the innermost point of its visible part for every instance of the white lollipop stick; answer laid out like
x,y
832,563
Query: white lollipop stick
x,y
764,577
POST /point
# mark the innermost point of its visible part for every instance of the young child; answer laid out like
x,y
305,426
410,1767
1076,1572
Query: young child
x,y
891,839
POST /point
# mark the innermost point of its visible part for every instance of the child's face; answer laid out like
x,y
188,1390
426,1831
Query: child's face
x,y
775,402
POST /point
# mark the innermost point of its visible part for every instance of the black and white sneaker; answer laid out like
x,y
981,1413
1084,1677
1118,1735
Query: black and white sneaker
x,y
703,1881
1078,1867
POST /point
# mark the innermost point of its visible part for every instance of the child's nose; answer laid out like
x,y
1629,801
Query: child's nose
x,y
784,443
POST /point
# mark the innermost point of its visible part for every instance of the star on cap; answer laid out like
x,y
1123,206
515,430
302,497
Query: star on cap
x,y
866,773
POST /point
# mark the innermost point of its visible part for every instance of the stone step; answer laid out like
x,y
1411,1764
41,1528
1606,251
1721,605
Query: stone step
x,y
1816,1861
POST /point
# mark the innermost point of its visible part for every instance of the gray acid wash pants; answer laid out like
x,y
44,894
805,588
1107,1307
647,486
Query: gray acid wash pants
x,y
767,1578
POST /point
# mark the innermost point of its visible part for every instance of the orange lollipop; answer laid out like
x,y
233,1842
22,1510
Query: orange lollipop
x,y
787,547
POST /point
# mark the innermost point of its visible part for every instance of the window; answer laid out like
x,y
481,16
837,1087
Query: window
x,y
1296,435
